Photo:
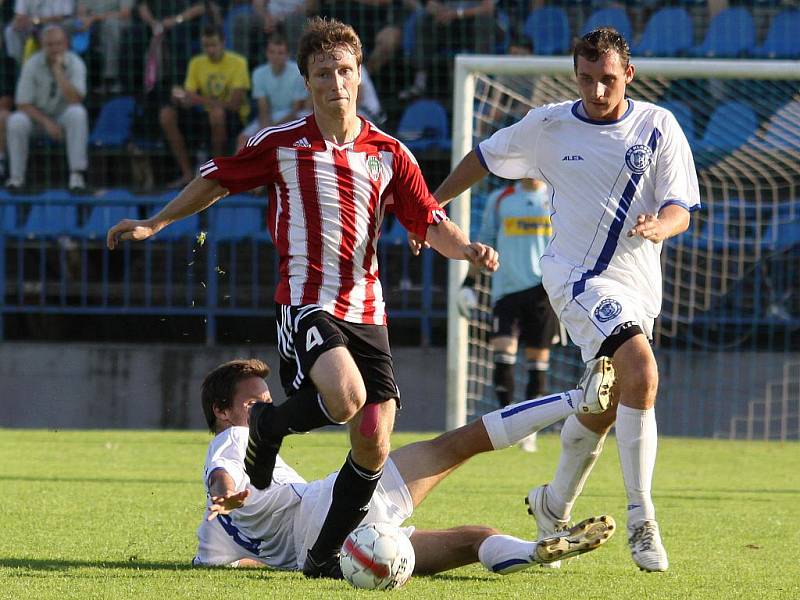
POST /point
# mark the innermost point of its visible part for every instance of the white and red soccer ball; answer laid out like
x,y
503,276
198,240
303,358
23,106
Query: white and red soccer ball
x,y
377,556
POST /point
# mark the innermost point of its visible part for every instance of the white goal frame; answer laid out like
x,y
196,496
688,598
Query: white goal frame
x,y
466,68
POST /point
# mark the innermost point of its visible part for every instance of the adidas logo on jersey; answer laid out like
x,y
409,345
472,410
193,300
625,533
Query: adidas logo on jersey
x,y
302,143
572,157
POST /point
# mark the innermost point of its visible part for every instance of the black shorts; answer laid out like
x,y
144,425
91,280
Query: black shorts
x,y
526,315
305,332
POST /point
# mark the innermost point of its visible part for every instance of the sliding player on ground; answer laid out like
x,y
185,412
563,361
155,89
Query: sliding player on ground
x,y
247,526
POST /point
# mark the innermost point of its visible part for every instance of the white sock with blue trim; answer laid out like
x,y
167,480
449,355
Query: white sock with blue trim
x,y
509,425
637,441
505,554
580,449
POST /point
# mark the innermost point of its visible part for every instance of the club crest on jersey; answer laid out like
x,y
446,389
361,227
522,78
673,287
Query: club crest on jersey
x,y
374,167
607,310
638,158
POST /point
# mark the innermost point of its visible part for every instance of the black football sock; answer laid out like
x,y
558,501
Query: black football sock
x,y
537,380
504,382
352,492
303,411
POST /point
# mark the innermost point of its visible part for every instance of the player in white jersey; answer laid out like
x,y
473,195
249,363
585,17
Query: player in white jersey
x,y
330,177
247,526
623,180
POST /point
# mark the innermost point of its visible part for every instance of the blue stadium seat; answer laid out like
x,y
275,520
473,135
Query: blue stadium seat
x,y
547,28
731,34
50,220
615,17
393,232
733,224
669,32
8,217
234,223
233,12
783,235
781,132
424,126
113,125
101,219
683,114
730,125
783,39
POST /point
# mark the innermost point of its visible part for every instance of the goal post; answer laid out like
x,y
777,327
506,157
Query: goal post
x,y
486,84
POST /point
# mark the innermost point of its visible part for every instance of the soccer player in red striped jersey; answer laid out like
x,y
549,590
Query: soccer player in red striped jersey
x,y
331,177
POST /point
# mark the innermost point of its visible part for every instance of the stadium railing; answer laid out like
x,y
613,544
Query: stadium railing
x,y
221,263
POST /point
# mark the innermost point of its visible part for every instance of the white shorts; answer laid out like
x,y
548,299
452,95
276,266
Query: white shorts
x,y
391,503
597,311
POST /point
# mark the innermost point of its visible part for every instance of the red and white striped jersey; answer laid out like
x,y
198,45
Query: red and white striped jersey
x,y
326,206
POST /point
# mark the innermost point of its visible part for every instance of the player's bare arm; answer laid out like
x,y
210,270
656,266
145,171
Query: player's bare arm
x,y
468,172
670,221
198,195
448,240
224,497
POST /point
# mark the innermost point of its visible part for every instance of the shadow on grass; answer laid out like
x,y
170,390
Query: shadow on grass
x,y
57,479
42,564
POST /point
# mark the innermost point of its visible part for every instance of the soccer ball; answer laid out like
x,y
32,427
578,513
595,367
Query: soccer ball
x,y
377,556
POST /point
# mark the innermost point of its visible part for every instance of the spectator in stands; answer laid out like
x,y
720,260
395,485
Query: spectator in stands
x,y
214,93
249,28
8,79
369,105
178,24
450,26
50,90
384,17
29,17
109,18
278,88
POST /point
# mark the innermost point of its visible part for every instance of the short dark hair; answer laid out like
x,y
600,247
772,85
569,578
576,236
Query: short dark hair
x,y
278,38
219,386
598,42
211,30
324,36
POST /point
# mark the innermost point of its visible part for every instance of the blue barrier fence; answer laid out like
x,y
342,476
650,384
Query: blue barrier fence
x,y
220,263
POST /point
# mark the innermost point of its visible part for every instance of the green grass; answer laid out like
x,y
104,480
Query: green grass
x,y
112,514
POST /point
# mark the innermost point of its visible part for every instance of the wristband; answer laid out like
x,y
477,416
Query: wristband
x,y
179,18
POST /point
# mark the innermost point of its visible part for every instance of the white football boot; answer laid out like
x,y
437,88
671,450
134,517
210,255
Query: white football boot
x,y
647,550
596,384
586,536
547,525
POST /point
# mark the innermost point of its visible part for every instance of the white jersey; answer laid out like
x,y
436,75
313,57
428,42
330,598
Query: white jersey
x,y
264,526
602,176
278,525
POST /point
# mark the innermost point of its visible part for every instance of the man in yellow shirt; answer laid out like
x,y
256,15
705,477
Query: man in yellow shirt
x,y
214,96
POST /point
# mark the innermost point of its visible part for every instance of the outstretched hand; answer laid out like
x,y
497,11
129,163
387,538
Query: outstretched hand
x,y
129,229
416,243
650,228
223,505
482,256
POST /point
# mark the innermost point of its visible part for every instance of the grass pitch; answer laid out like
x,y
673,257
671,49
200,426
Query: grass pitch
x,y
112,514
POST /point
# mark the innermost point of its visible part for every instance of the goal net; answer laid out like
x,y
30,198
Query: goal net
x,y
729,333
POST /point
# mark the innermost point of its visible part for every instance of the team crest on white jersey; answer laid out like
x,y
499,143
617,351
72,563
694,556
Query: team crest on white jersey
x,y
607,309
374,167
638,158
